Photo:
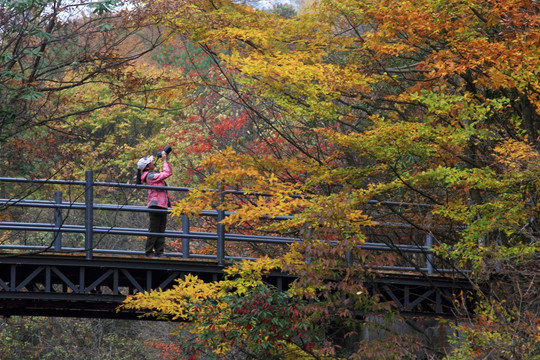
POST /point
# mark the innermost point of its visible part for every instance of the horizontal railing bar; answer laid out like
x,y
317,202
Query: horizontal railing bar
x,y
77,205
124,185
144,232
186,189
198,235
81,206
138,208
141,186
43,181
83,183
101,230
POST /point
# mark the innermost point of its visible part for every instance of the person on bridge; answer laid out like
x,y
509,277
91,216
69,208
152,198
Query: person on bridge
x,y
157,199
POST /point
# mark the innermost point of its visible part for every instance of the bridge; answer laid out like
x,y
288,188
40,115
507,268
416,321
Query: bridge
x,y
48,275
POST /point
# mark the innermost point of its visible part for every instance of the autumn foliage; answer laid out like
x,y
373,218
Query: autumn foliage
x,y
360,120
240,312
430,102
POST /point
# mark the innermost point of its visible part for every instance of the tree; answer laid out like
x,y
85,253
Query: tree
x,y
238,317
47,50
60,338
285,10
419,102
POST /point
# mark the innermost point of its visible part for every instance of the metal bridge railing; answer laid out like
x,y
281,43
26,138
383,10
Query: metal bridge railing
x,y
186,234
89,229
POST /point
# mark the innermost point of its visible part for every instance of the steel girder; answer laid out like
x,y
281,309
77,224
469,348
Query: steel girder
x,y
68,286
50,285
419,295
53,285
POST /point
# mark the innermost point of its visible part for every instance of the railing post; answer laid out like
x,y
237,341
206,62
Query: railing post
x,y
220,228
349,257
185,241
429,246
348,252
57,221
89,214
308,236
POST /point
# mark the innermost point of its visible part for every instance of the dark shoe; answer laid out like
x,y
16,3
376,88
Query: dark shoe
x,y
158,255
149,254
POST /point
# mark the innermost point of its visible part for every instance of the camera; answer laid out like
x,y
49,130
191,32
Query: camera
x,y
167,149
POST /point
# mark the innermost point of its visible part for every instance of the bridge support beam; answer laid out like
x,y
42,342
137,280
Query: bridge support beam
x,y
67,285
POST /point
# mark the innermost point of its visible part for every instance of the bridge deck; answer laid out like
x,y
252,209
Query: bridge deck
x,y
67,284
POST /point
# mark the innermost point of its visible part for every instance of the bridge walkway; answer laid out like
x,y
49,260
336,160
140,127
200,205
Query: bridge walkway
x,y
53,279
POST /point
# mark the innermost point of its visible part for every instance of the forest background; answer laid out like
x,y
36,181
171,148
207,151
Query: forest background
x,y
326,107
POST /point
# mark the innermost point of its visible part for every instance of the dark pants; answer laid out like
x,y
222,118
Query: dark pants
x,y
158,224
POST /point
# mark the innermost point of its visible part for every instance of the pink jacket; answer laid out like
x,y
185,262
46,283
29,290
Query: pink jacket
x,y
158,197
